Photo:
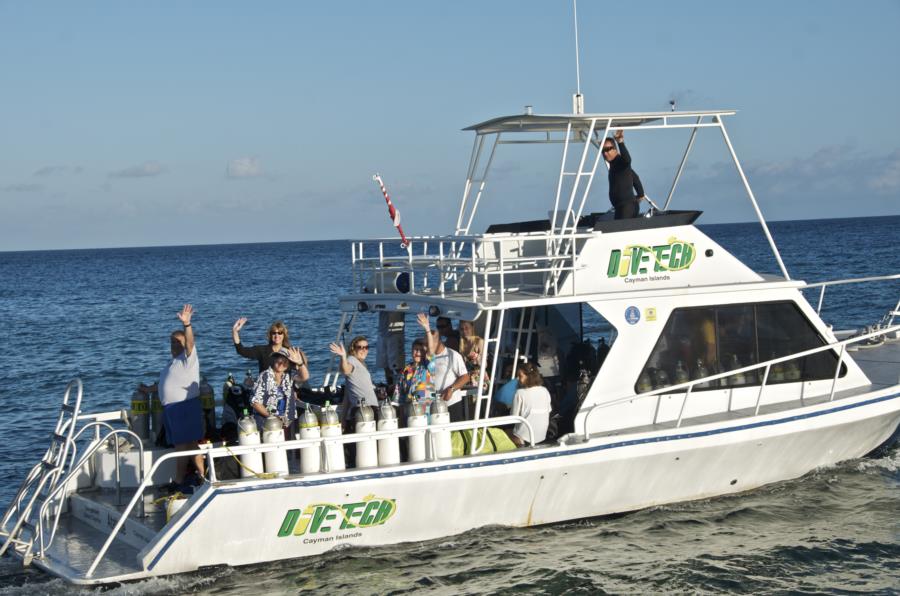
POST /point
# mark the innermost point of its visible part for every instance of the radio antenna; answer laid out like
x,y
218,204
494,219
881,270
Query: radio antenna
x,y
578,98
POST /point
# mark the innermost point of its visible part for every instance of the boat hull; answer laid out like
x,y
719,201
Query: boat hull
x,y
291,518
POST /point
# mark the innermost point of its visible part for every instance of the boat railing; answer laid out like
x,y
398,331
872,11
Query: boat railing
x,y
213,453
840,282
469,267
688,387
44,543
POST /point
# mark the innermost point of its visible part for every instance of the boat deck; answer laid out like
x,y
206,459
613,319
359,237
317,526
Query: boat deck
x,y
880,363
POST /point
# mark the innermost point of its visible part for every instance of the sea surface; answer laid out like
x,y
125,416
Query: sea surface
x,y
105,316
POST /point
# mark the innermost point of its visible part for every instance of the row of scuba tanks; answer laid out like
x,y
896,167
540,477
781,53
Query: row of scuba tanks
x,y
146,415
369,453
146,421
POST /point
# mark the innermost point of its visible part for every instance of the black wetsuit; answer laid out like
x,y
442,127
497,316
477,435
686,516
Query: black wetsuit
x,y
622,179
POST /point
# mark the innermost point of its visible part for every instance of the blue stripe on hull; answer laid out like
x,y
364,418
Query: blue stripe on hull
x,y
509,460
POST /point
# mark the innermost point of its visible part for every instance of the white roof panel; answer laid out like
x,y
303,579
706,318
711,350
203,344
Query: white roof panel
x,y
559,122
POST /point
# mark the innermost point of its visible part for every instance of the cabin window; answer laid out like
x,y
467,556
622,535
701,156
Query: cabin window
x,y
698,342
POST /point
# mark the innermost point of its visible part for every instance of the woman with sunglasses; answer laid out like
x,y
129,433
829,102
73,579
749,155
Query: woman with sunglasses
x,y
622,179
358,389
273,393
263,354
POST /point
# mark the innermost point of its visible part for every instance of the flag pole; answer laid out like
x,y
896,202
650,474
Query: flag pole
x,y
392,211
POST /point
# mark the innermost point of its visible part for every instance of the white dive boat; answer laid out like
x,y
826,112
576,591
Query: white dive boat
x,y
717,380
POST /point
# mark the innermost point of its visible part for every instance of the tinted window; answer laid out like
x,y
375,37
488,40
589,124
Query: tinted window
x,y
698,342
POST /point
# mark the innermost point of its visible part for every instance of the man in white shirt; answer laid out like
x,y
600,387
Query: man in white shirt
x,y
179,391
450,374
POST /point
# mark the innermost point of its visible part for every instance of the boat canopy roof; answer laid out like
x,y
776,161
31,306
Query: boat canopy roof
x,y
560,122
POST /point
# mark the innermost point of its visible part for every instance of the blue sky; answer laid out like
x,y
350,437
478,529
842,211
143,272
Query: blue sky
x,y
160,123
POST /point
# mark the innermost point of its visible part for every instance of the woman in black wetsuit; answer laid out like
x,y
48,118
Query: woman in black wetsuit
x,y
263,354
623,181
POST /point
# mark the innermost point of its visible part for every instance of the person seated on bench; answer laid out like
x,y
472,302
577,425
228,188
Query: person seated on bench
x,y
531,402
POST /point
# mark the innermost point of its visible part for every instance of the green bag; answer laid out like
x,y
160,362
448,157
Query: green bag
x,y
496,441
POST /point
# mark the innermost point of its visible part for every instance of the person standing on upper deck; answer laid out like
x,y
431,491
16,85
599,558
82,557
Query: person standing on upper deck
x,y
623,181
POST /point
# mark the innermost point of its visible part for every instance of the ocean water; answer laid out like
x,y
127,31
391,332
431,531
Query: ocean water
x,y
105,315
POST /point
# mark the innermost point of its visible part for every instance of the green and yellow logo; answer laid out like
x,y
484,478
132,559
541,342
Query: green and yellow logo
x,y
329,517
635,259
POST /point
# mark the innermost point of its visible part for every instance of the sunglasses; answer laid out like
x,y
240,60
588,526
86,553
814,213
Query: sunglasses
x,y
608,149
281,360
277,333
365,347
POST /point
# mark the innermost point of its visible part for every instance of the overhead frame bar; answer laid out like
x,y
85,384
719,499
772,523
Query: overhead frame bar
x,y
584,125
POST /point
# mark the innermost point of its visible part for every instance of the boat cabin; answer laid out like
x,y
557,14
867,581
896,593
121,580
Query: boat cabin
x,y
607,309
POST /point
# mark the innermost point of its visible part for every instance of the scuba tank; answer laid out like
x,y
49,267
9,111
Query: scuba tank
x,y
366,451
310,457
156,417
273,434
208,403
249,382
330,426
776,373
700,371
389,447
139,417
248,435
583,384
681,374
792,370
226,389
643,383
660,379
738,379
416,418
440,414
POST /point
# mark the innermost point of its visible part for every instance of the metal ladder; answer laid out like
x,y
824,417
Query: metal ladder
x,y
523,330
19,528
582,179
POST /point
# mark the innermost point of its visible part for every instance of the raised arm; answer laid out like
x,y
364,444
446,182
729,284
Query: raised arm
x,y
297,356
338,350
187,311
430,338
236,338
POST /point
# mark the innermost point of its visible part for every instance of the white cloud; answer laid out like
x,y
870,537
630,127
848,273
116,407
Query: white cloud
x,y
53,170
244,167
144,170
888,179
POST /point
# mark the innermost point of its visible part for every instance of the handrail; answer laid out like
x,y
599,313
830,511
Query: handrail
x,y
215,452
841,282
437,269
84,459
689,385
